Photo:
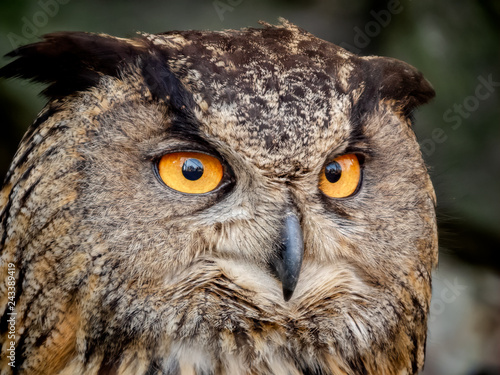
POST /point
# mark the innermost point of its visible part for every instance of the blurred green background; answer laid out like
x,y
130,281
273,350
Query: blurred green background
x,y
457,46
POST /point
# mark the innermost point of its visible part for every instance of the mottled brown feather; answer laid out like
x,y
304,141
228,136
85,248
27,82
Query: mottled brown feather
x,y
118,274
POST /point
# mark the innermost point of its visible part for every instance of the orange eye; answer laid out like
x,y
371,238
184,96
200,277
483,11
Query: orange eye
x,y
190,172
341,177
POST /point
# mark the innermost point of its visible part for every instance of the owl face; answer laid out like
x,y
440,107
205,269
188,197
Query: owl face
x,y
240,202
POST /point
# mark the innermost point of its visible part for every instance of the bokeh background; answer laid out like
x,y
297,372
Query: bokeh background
x,y
457,46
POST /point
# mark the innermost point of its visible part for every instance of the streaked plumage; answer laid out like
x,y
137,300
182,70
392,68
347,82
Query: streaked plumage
x,y
116,273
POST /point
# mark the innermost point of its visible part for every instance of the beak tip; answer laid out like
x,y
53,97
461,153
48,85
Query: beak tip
x,y
287,294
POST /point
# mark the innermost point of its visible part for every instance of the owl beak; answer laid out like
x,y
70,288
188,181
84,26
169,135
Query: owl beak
x,y
289,260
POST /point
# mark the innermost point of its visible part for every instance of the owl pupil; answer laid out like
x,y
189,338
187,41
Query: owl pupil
x,y
333,171
192,169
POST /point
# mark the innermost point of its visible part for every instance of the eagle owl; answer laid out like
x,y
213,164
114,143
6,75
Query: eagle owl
x,y
239,202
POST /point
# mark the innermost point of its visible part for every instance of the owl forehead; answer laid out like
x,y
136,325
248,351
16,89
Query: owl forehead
x,y
275,94
287,123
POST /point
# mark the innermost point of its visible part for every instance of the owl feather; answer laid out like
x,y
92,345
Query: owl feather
x,y
112,268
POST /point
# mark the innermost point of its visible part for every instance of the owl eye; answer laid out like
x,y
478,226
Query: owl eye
x,y
341,177
190,172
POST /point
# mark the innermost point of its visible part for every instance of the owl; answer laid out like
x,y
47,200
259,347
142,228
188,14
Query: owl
x,y
242,202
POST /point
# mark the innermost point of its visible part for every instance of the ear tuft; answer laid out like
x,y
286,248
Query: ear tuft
x,y
401,83
71,61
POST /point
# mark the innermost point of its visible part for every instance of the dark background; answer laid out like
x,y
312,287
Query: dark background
x,y
457,46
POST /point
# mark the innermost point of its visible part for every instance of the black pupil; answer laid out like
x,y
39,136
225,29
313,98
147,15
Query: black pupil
x,y
192,169
333,171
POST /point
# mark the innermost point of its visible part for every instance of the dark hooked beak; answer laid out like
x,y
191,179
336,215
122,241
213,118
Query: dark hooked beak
x,y
286,266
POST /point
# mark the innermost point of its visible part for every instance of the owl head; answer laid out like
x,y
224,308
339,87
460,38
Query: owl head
x,y
238,202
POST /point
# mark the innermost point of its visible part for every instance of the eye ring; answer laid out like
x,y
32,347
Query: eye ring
x,y
192,173
341,177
